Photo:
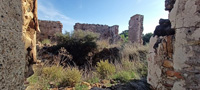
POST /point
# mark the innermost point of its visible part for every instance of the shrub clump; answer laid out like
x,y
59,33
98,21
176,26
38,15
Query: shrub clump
x,y
123,76
79,44
56,76
46,41
104,69
72,77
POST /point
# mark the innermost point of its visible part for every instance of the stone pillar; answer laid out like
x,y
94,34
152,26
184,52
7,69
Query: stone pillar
x,y
136,29
18,26
185,18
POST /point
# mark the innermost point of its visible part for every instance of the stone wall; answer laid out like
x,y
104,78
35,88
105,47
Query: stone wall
x,y
105,31
185,18
161,74
136,29
18,26
49,29
174,63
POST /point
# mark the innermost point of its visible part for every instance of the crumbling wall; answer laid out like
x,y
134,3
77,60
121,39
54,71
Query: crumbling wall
x,y
18,23
161,74
136,29
185,18
174,63
30,27
49,29
105,31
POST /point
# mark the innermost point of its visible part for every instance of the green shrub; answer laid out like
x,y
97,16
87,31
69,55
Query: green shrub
x,y
87,35
72,77
123,76
59,76
104,69
141,68
78,44
124,36
53,73
46,41
136,69
76,36
94,80
62,38
146,38
33,79
81,87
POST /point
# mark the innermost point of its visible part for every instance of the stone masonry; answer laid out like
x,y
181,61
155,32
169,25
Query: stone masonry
x,y
161,74
136,29
185,18
175,63
18,26
49,29
105,31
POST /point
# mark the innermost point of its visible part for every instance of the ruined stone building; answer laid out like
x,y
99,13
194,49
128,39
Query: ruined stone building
x,y
18,27
136,29
105,31
49,29
175,63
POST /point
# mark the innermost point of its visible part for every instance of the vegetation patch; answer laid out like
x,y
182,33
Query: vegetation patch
x,y
104,69
55,76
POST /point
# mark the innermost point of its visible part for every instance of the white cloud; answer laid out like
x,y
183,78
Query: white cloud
x,y
46,11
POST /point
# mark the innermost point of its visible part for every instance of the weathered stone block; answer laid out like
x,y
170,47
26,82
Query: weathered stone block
x,y
168,64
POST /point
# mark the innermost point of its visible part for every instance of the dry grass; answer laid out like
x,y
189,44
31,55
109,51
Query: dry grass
x,y
54,76
105,44
132,66
134,52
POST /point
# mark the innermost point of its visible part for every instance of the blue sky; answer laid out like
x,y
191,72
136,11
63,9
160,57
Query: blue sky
x,y
106,12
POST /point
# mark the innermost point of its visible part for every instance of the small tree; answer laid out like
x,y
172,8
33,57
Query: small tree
x,y
146,38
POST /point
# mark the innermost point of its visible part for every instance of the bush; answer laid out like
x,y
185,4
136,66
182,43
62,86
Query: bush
x,y
46,41
123,76
72,77
56,75
94,80
141,68
136,69
77,36
88,35
81,87
124,36
62,38
104,69
44,75
78,44
146,38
